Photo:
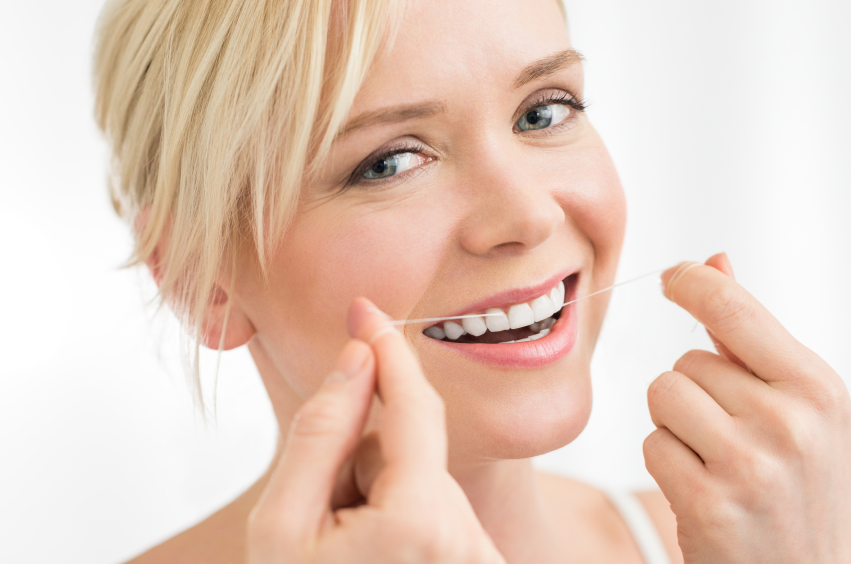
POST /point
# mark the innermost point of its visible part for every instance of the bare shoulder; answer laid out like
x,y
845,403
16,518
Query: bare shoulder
x,y
213,541
589,525
666,522
602,525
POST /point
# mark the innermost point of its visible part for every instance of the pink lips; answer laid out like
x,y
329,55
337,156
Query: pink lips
x,y
557,344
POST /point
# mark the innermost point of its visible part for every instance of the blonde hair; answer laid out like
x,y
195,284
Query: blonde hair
x,y
215,111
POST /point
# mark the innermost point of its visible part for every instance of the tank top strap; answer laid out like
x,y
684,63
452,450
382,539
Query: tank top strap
x,y
640,525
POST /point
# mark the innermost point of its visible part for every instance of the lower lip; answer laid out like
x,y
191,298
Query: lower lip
x,y
557,344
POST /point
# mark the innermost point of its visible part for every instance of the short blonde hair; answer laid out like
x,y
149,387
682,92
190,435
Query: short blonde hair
x,y
215,111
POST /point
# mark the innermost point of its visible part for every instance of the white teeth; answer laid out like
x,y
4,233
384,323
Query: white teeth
x,y
435,332
497,322
537,315
520,315
540,335
554,297
542,307
453,330
475,325
557,296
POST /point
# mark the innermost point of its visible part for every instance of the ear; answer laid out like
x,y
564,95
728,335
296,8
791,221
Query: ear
x,y
223,315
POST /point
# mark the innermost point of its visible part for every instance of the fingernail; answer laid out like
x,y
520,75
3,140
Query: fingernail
x,y
352,360
673,274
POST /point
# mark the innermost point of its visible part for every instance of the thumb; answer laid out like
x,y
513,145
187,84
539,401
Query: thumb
x,y
722,262
297,500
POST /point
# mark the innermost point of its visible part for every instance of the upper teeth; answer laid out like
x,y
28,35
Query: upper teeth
x,y
519,315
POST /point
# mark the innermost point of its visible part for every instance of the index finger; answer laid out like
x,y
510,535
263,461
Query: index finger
x,y
413,425
737,319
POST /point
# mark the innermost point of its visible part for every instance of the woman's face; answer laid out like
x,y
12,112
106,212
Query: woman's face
x,y
497,189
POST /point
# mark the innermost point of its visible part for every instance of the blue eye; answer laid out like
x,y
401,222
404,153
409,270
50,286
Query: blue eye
x,y
391,165
542,117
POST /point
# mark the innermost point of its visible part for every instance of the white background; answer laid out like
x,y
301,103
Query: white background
x,y
729,122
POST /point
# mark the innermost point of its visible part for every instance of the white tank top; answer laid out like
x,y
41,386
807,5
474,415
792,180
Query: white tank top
x,y
641,526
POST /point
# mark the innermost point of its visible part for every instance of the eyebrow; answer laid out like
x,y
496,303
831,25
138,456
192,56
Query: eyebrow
x,y
537,69
547,66
393,114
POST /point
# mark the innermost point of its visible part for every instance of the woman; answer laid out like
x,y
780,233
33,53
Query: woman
x,y
279,160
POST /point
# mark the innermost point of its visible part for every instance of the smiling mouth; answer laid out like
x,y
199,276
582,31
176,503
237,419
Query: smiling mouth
x,y
517,323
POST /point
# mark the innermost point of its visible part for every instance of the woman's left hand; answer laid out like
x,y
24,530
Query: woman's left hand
x,y
753,445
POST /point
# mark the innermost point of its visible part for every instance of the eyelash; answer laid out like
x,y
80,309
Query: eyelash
x,y
565,98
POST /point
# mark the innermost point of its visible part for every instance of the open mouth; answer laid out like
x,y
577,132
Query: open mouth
x,y
516,323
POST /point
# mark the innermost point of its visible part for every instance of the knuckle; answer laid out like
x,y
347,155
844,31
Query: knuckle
x,y
440,545
654,448
661,388
763,475
714,513
729,308
758,472
686,363
797,435
266,534
424,536
429,403
319,416
434,536
831,398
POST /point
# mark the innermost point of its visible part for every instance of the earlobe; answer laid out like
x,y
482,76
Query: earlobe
x,y
225,324
154,266
224,317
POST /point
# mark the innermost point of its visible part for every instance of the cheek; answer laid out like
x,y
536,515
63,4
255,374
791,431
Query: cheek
x,y
597,206
386,255
594,199
333,254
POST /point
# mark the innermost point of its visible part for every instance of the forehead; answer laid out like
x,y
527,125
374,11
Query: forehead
x,y
446,45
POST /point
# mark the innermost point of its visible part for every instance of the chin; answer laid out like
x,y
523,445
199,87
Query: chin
x,y
511,420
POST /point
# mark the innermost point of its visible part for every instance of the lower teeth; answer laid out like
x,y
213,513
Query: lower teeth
x,y
540,330
535,337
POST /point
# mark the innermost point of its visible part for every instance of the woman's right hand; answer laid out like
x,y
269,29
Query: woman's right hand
x,y
414,511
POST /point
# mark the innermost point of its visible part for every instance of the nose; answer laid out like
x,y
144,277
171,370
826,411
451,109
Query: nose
x,y
511,212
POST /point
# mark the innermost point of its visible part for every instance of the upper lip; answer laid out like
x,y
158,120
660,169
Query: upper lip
x,y
516,295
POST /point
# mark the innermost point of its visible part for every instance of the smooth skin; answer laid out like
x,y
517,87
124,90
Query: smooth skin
x,y
438,469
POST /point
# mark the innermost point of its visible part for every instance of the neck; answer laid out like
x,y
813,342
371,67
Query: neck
x,y
508,503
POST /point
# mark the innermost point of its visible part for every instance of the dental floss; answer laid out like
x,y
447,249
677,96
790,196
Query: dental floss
x,y
438,319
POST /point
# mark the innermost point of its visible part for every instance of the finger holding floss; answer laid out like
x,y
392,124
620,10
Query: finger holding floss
x,y
748,441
